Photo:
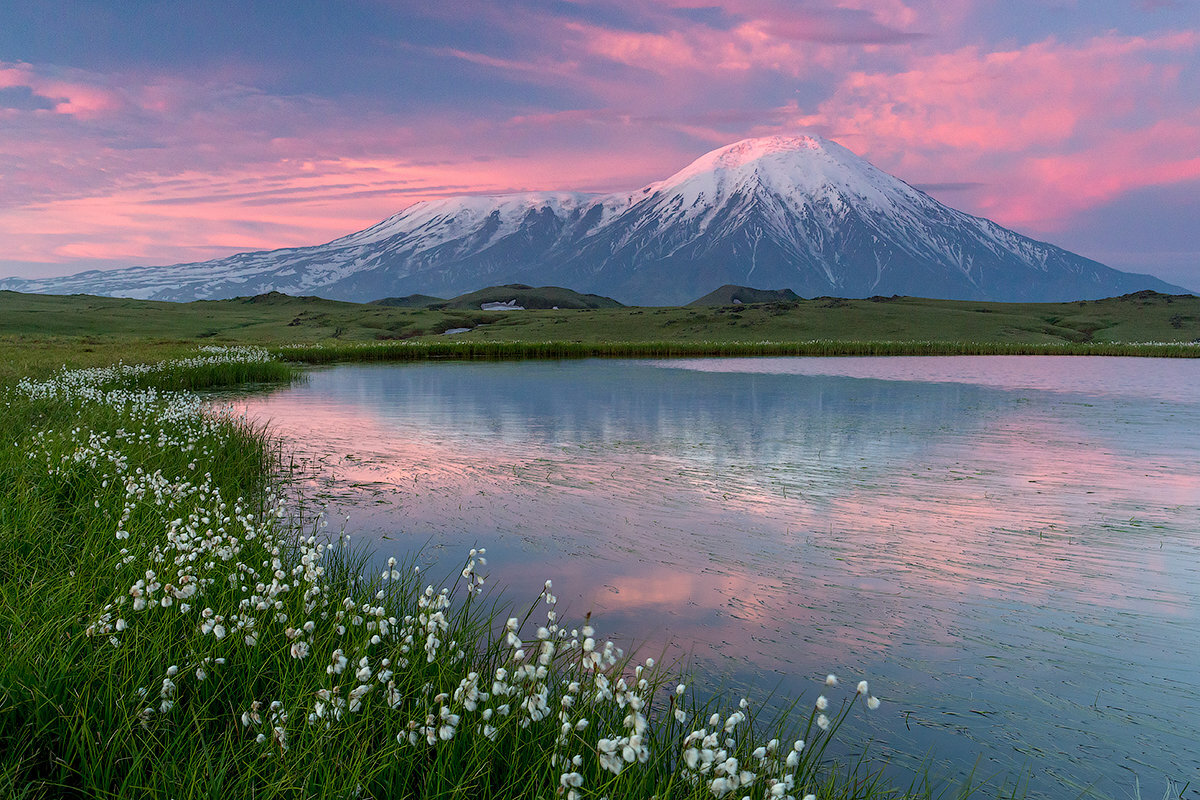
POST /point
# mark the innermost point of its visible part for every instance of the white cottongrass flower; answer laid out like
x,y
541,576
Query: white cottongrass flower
x,y
208,543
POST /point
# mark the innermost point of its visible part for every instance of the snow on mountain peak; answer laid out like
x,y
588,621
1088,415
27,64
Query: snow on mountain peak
x,y
747,150
448,218
789,173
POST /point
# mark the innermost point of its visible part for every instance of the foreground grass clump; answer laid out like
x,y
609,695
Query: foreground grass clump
x,y
170,631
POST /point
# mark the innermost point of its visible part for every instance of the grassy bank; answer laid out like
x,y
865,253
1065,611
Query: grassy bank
x,y
41,330
170,631
483,349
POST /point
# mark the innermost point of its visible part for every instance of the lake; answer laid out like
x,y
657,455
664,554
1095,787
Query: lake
x,y
1007,547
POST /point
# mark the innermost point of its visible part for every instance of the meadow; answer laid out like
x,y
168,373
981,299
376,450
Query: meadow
x,y
40,332
173,629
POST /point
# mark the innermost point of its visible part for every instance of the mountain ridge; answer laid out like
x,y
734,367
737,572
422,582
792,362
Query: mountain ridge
x,y
800,212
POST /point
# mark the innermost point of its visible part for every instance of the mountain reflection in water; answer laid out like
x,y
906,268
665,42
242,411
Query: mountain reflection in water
x,y
1008,548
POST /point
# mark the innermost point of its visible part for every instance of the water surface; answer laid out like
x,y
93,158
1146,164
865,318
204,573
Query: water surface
x,y
1007,547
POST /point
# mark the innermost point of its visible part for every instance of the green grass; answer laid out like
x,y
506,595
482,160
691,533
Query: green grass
x,y
230,682
480,349
38,332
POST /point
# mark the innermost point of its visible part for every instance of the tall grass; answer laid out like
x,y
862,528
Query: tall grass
x,y
171,631
481,349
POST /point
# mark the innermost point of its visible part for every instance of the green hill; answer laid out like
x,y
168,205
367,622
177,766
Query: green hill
x,y
528,297
408,301
731,295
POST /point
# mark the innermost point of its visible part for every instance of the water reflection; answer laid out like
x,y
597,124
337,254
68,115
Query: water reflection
x,y
1007,547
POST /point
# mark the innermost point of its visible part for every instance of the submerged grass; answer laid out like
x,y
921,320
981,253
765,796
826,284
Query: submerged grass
x,y
170,630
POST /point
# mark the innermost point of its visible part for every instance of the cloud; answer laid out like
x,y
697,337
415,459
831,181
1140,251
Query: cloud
x,y
949,186
189,169
60,95
1046,130
143,163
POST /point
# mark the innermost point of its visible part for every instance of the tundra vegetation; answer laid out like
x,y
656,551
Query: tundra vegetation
x,y
172,629
38,332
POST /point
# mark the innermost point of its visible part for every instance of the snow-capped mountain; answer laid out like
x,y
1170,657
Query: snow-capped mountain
x,y
801,212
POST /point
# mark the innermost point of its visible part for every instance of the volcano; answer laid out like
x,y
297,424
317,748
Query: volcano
x,y
802,213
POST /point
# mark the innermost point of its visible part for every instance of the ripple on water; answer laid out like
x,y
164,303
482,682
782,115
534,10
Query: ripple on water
x,y
1007,547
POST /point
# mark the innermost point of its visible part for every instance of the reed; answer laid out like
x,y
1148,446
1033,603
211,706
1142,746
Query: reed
x,y
325,353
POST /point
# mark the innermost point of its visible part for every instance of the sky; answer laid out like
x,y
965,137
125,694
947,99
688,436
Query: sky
x,y
163,132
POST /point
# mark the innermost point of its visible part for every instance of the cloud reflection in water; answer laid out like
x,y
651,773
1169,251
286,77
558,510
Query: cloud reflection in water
x,y
1012,539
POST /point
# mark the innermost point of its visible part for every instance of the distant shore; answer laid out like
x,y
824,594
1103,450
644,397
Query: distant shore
x,y
82,330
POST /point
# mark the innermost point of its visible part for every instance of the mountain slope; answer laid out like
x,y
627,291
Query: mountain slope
x,y
798,212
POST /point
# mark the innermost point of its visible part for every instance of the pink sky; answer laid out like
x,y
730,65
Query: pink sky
x,y
136,137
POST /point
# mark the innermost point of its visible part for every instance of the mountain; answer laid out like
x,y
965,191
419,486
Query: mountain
x,y
798,212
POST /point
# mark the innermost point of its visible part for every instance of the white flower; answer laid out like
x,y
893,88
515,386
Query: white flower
x,y
823,722
822,703
831,680
872,702
862,687
720,786
299,649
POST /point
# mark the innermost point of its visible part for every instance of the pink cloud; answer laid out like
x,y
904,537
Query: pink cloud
x,y
1052,128
680,55
188,171
158,167
73,97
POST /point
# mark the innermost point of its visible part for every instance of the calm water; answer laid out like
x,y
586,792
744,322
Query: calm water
x,y
1007,547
